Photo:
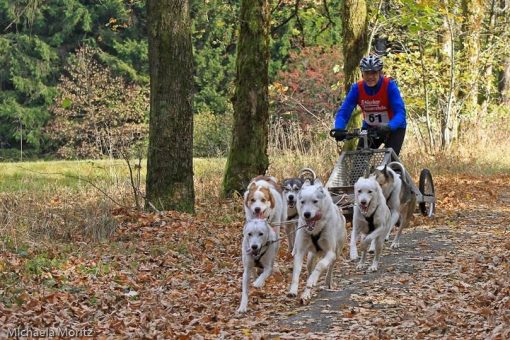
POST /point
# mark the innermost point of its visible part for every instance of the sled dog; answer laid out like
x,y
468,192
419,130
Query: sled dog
x,y
371,218
258,250
321,234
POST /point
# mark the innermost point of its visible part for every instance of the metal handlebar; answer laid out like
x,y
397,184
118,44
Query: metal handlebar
x,y
341,135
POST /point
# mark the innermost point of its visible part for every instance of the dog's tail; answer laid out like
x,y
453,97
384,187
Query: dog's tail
x,y
398,168
307,173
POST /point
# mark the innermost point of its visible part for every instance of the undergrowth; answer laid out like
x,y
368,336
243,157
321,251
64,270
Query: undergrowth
x,y
77,200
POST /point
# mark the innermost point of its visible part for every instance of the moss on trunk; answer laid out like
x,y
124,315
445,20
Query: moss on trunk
x,y
248,154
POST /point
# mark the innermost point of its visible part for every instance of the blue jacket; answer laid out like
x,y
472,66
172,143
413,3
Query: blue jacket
x,y
351,100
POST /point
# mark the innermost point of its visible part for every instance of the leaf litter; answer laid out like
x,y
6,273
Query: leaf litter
x,y
174,275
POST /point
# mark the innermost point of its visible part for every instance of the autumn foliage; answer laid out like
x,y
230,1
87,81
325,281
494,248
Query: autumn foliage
x,y
175,275
96,113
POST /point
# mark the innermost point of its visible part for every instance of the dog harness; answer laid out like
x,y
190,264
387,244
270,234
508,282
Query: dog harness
x,y
370,221
292,217
258,264
315,240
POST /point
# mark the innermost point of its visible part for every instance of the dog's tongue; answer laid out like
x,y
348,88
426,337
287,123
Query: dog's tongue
x,y
260,215
310,225
364,208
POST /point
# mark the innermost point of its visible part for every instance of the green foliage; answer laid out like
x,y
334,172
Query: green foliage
x,y
36,38
42,263
314,24
211,135
214,25
27,66
96,113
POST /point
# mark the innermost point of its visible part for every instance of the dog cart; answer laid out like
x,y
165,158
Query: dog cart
x,y
360,163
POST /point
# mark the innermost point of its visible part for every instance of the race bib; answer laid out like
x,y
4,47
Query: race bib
x,y
377,118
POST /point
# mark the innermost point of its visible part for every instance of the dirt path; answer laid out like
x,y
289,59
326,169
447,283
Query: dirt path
x,y
448,279
417,246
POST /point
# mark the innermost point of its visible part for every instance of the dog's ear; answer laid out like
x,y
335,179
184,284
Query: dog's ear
x,y
317,181
272,200
269,196
320,192
307,182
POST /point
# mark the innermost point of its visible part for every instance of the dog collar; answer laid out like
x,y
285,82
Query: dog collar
x,y
257,258
291,217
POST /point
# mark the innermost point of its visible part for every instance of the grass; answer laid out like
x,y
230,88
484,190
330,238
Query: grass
x,y
74,200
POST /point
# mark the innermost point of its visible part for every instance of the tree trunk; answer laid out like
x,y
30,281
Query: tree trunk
x,y
505,82
487,87
449,117
170,155
354,22
248,153
504,77
473,19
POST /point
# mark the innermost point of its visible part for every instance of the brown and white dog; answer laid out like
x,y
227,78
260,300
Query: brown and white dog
x,y
399,195
263,200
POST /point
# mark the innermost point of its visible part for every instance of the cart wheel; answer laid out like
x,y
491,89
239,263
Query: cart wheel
x,y
426,187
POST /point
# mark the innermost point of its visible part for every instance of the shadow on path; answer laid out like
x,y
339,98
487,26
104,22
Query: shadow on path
x,y
417,246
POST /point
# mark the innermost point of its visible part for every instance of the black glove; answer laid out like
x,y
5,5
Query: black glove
x,y
383,129
338,134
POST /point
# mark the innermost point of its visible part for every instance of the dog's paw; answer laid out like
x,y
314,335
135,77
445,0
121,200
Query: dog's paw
x,y
395,245
305,297
373,267
360,266
292,291
354,256
259,283
371,250
242,309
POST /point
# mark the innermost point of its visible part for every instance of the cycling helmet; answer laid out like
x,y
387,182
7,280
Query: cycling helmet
x,y
371,63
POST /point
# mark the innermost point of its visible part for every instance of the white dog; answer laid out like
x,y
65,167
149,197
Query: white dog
x,y
258,251
264,200
371,217
321,233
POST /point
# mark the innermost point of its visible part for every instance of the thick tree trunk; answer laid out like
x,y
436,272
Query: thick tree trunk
x,y
170,155
248,153
354,22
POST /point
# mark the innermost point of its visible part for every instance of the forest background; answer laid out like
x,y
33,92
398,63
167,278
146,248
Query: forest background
x,y
77,250
74,74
